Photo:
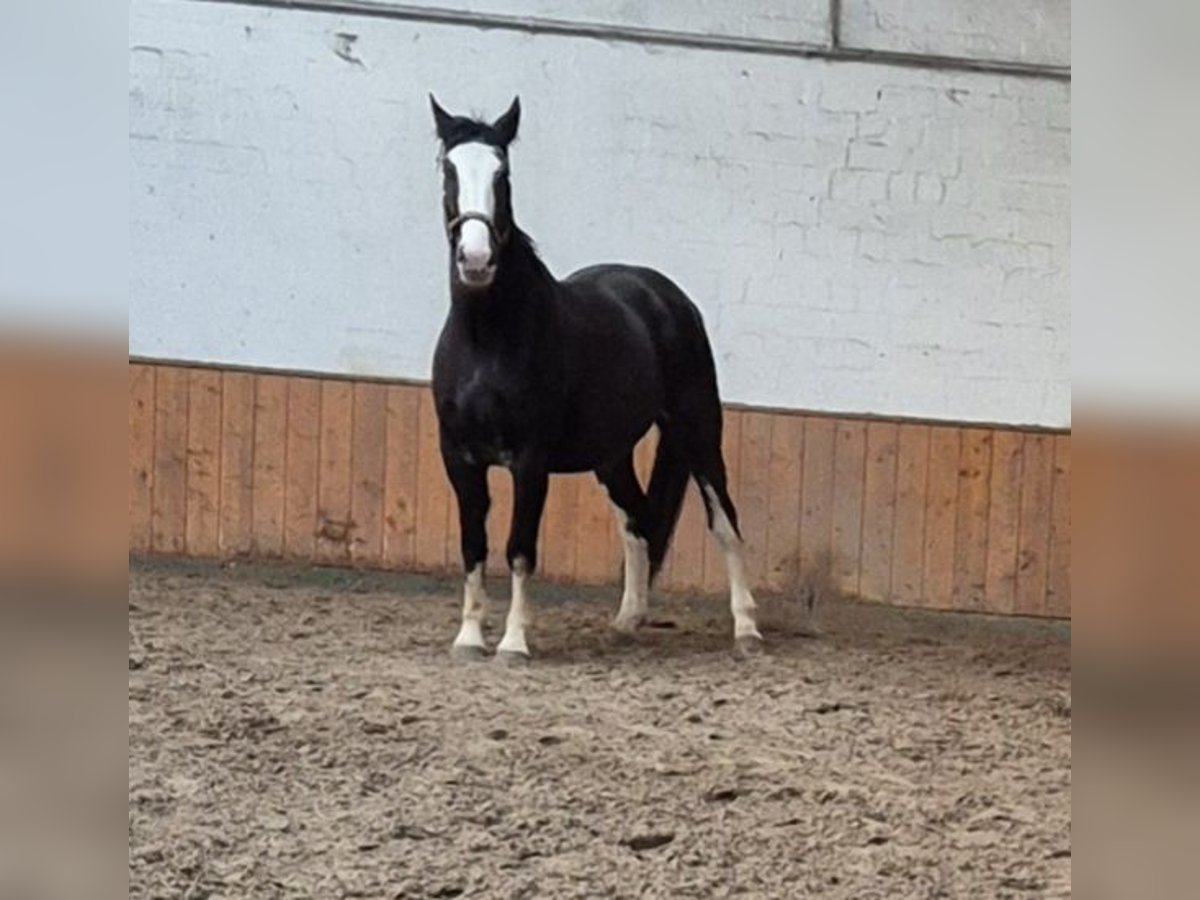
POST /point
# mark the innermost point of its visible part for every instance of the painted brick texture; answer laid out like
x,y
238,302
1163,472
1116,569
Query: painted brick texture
x,y
1031,31
861,238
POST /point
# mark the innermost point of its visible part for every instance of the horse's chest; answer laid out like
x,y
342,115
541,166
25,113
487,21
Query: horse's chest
x,y
483,418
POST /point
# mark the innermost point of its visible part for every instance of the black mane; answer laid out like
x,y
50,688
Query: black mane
x,y
527,246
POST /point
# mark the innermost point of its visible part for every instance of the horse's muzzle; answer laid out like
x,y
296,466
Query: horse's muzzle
x,y
475,255
476,277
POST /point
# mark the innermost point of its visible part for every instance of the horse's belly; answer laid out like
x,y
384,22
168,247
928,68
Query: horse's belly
x,y
593,441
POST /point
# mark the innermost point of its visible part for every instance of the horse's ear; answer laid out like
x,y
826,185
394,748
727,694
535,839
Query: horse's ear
x,y
506,126
440,117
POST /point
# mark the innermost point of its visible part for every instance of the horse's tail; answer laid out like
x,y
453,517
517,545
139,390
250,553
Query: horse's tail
x,y
664,497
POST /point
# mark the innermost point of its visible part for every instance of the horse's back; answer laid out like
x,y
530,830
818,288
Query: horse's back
x,y
645,296
655,314
638,287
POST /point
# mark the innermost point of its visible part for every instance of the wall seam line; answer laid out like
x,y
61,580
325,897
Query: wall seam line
x,y
633,34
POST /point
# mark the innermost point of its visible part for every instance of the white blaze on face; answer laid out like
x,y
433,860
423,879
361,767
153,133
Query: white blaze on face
x,y
476,166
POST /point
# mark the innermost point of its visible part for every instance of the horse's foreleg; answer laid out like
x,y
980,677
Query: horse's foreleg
x,y
471,490
530,482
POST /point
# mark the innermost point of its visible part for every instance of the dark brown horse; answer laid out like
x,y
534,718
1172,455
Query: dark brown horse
x,y
541,376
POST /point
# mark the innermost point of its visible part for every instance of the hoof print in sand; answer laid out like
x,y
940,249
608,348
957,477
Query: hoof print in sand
x,y
747,647
651,841
512,659
723,795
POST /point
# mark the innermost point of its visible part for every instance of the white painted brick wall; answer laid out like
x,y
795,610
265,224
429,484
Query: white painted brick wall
x,y
1031,31
860,238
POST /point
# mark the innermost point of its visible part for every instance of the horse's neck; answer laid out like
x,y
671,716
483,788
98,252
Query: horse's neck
x,y
516,313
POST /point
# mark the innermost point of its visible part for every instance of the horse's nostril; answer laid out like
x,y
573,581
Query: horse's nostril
x,y
461,256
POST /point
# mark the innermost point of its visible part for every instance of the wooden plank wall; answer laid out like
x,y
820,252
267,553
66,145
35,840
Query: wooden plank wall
x,y
228,464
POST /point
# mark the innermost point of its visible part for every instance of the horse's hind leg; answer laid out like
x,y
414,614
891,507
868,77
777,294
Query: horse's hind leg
x,y
722,521
629,503
708,468
664,496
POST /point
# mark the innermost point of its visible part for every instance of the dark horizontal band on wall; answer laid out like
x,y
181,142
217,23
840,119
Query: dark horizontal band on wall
x,y
741,407
538,25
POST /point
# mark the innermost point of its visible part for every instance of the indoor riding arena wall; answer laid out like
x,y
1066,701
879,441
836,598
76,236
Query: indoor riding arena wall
x,y
235,464
869,202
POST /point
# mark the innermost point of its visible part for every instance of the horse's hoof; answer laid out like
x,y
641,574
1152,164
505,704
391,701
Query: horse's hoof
x,y
627,627
514,659
747,646
468,652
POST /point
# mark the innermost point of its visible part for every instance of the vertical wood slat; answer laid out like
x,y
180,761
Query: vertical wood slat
x,y
558,540
597,547
908,536
1058,589
941,504
300,472
1003,524
270,462
1033,540
816,494
849,470
433,496
879,510
204,463
716,577
141,456
783,504
400,486
643,457
368,475
971,520
335,527
169,511
754,492
237,463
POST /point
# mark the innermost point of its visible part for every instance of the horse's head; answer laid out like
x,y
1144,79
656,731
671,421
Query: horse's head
x,y
476,197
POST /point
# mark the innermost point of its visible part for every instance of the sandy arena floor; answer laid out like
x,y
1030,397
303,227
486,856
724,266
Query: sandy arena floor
x,y
304,733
